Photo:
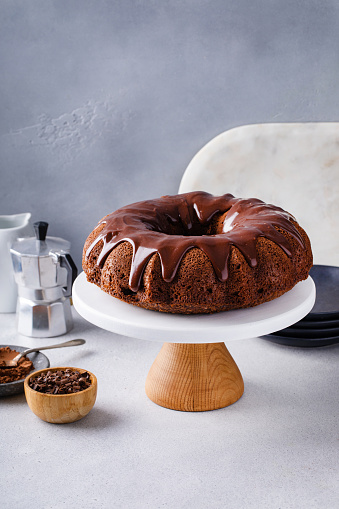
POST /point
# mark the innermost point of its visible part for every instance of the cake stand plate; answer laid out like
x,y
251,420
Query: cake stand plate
x,y
194,370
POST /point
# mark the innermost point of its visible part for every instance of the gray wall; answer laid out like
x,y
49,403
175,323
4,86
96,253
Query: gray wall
x,y
105,102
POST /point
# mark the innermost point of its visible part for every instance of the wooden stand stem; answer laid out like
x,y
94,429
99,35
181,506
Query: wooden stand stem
x,y
194,377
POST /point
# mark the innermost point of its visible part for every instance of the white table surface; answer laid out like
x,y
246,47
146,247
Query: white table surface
x,y
276,448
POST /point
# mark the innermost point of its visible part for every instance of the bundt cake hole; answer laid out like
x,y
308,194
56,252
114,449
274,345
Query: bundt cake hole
x,y
196,230
171,227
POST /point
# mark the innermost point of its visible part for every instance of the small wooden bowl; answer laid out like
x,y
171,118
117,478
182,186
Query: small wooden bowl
x,y
61,408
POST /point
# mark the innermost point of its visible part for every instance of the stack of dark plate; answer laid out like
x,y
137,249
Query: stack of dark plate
x,y
321,326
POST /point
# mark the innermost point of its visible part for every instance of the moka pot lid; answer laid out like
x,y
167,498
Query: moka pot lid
x,y
40,245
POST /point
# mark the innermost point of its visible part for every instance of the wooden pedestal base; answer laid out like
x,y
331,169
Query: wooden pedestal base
x,y
194,377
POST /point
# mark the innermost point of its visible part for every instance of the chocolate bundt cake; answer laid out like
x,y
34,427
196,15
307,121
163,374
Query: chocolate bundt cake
x,y
197,253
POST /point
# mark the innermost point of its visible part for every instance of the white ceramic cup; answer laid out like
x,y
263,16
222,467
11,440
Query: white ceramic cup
x,y
11,228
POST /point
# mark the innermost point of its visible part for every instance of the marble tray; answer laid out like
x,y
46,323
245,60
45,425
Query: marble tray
x,y
295,166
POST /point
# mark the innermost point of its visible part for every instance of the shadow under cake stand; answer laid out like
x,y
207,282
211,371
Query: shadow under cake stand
x,y
193,371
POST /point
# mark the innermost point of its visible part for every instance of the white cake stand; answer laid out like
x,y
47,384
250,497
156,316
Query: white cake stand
x,y
194,370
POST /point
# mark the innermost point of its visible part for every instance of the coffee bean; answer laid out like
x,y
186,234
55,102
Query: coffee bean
x,y
61,382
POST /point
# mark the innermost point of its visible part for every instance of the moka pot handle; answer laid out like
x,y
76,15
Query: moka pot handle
x,y
67,262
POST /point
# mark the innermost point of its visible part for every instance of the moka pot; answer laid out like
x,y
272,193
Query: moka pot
x,y
44,272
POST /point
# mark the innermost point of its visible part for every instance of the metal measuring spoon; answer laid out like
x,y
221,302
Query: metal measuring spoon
x,y
14,362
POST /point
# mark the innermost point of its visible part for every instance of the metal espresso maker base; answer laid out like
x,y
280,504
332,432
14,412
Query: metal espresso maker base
x,y
43,313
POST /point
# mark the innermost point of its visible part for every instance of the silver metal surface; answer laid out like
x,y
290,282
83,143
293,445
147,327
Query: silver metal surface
x,y
44,318
44,278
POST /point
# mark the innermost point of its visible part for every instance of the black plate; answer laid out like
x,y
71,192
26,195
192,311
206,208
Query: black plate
x,y
326,279
300,342
40,361
318,324
321,326
291,332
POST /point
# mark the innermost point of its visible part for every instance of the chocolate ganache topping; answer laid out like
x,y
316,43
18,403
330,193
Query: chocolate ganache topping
x,y
171,225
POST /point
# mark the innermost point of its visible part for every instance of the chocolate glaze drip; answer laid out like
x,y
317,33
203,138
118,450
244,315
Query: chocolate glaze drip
x,y
172,225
